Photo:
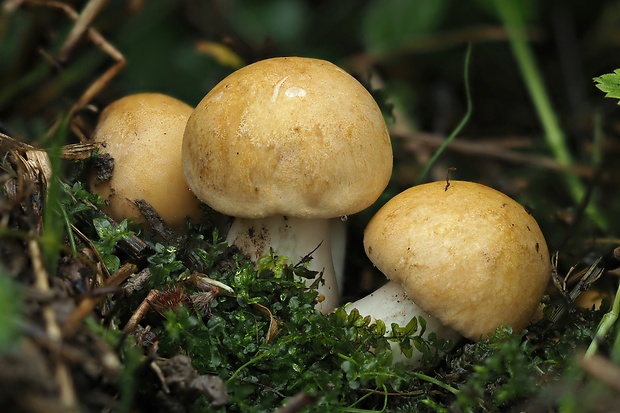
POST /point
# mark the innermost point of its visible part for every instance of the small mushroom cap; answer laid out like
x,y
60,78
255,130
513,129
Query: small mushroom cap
x,y
144,133
468,255
288,136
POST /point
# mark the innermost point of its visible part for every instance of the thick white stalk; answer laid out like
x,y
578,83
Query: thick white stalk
x,y
294,238
391,305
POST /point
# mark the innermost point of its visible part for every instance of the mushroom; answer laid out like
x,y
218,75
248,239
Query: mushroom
x,y
464,256
143,133
288,146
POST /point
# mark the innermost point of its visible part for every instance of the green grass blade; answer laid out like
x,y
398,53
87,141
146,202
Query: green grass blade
x,y
53,226
461,124
508,11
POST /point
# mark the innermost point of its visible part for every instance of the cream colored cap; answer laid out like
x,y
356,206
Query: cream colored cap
x,y
288,136
469,255
144,133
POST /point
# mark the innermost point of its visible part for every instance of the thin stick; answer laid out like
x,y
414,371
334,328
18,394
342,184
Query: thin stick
x,y
413,140
140,312
83,22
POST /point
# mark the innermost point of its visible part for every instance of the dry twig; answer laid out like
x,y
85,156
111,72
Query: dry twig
x,y
83,27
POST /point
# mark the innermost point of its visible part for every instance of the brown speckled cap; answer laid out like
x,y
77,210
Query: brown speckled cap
x,y
288,136
468,255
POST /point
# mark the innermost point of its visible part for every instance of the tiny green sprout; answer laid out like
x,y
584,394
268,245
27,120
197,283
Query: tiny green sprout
x,y
165,265
109,236
79,200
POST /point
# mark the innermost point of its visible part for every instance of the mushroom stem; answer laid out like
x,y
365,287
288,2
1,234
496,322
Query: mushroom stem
x,y
294,238
338,236
391,305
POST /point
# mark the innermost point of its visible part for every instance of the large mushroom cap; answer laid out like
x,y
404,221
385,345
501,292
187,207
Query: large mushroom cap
x,y
468,255
143,133
287,136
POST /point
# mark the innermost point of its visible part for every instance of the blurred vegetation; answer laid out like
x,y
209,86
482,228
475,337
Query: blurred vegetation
x,y
410,54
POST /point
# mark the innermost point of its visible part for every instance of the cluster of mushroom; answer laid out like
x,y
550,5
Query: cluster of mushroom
x,y
288,146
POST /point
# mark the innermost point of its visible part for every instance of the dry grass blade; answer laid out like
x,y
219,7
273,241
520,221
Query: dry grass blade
x,y
63,376
583,280
82,27
274,324
82,24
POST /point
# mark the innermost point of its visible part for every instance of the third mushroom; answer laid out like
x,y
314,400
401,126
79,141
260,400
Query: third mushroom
x,y
465,257
287,146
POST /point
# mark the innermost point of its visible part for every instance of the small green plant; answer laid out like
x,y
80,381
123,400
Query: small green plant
x,y
109,235
255,326
77,204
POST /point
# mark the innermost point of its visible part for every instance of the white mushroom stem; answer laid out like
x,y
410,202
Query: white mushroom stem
x,y
294,238
391,305
338,237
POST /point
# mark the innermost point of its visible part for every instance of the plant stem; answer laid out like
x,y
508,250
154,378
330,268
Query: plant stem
x,y
607,322
461,124
512,20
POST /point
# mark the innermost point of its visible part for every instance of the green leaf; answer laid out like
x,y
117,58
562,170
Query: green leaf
x,y
610,84
109,236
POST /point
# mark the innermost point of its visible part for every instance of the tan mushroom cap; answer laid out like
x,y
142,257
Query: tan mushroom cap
x,y
288,136
144,133
469,255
